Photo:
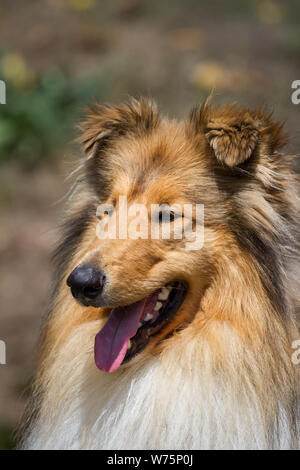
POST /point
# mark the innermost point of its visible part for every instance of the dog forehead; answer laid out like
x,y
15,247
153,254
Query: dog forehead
x,y
164,163
165,150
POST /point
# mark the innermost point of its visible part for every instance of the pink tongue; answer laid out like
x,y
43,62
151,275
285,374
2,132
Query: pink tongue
x,y
112,341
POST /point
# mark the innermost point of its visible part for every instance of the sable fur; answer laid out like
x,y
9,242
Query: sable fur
x,y
220,374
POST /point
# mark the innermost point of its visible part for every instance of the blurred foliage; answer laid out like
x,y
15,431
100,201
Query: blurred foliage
x,y
81,5
42,110
6,438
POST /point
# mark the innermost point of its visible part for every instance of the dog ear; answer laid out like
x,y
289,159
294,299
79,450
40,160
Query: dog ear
x,y
105,122
236,134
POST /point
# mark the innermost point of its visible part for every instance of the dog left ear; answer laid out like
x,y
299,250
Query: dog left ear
x,y
105,122
236,134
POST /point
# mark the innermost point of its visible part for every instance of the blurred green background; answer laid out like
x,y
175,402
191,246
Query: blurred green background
x,y
56,56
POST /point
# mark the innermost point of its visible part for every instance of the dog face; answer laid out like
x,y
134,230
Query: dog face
x,y
149,287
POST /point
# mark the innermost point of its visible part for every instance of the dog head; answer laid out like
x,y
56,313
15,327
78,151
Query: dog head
x,y
161,208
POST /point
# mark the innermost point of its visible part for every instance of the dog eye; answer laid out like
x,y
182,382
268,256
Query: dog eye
x,y
105,213
108,212
172,216
167,216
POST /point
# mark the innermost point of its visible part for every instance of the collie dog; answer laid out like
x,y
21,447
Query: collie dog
x,y
148,344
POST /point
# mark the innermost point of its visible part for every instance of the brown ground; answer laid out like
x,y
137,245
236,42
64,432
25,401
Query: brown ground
x,y
175,51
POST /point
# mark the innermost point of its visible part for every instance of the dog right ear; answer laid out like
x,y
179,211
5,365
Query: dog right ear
x,y
104,123
235,135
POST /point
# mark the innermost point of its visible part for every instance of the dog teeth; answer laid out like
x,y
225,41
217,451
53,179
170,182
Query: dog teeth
x,y
140,324
129,344
158,305
164,294
148,317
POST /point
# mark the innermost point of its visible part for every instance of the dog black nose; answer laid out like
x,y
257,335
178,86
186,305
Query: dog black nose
x,y
86,283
